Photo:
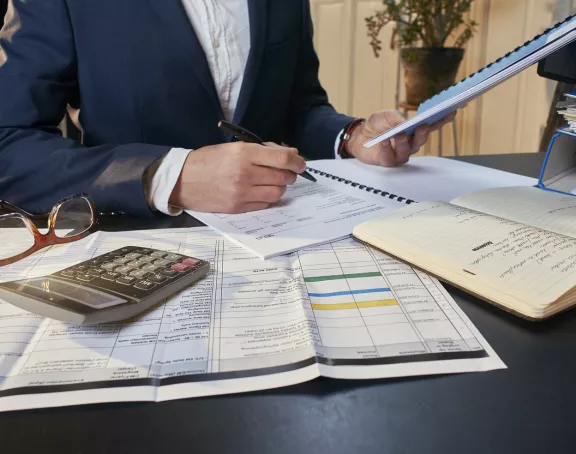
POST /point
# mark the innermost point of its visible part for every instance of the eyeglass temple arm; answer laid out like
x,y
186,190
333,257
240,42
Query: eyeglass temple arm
x,y
4,205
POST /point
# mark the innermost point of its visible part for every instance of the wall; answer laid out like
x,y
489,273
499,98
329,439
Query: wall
x,y
508,119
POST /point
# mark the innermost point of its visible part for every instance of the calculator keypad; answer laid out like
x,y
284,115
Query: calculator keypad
x,y
135,268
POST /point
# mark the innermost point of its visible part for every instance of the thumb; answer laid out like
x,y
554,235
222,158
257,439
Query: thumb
x,y
382,121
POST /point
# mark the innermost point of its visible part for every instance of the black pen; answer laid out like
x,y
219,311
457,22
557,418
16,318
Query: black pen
x,y
244,135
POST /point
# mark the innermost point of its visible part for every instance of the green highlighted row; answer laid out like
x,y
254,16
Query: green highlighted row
x,y
341,276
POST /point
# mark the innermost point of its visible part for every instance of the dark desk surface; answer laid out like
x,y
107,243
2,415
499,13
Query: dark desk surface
x,y
527,408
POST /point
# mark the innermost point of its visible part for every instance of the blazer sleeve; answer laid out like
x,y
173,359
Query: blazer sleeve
x,y
38,79
312,122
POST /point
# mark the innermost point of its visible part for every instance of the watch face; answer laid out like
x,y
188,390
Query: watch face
x,y
64,294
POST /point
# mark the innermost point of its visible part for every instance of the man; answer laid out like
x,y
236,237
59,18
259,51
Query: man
x,y
148,81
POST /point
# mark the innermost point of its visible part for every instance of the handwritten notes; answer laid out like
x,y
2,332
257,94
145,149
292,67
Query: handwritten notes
x,y
529,262
528,205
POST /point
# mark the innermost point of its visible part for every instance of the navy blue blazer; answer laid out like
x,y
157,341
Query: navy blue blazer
x,y
137,76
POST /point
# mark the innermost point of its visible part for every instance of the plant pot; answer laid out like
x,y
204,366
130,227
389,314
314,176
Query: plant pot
x,y
428,71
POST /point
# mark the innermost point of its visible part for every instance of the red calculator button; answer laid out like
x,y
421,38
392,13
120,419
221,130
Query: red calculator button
x,y
190,261
180,267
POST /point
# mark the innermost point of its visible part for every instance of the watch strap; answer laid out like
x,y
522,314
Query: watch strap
x,y
345,137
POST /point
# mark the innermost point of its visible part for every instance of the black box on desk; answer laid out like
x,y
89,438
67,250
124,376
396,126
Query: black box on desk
x,y
558,172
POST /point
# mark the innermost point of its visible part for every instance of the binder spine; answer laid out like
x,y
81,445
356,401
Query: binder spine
x,y
363,187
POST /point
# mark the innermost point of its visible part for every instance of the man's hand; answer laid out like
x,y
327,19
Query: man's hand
x,y
393,152
236,177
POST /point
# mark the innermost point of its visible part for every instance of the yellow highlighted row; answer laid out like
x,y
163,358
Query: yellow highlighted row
x,y
359,305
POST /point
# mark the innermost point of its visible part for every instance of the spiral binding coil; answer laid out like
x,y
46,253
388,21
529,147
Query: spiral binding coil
x,y
362,187
548,30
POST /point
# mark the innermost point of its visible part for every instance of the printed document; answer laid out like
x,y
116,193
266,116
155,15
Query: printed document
x,y
339,310
308,214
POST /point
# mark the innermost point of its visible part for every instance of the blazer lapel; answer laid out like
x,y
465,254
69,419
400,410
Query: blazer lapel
x,y
177,25
257,10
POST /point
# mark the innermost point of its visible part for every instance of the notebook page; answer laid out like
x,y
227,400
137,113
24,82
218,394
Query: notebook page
x,y
423,178
514,257
532,206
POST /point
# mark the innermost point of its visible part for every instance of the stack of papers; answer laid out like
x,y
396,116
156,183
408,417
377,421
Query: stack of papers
x,y
341,310
567,108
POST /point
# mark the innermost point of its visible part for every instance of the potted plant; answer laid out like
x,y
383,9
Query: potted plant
x,y
422,29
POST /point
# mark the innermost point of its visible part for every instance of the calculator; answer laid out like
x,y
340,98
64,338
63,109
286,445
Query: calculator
x,y
112,287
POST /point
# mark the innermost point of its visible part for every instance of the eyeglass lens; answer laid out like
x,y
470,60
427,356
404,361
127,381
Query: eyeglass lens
x,y
73,218
15,238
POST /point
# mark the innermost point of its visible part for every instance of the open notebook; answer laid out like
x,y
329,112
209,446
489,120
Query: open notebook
x,y
512,247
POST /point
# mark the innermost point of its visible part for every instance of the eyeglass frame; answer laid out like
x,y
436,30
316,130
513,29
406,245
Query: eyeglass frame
x,y
43,240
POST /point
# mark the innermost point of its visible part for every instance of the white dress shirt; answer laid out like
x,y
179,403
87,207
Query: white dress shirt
x,y
223,29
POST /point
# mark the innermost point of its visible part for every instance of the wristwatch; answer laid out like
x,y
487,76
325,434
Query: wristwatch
x,y
345,137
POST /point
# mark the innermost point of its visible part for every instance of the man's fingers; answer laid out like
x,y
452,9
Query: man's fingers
x,y
278,158
267,176
270,194
403,147
420,138
381,155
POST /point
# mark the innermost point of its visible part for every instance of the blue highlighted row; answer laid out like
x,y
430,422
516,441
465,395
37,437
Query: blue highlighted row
x,y
350,292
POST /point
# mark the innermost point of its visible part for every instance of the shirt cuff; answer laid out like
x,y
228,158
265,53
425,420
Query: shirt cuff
x,y
161,179
337,145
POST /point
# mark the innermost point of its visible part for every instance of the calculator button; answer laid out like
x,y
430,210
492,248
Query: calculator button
x,y
84,277
157,278
81,267
144,285
168,272
140,274
110,266
95,262
124,250
180,267
126,280
162,262
158,254
133,255
115,254
121,260
143,251
174,257
147,259
96,272
151,268
124,269
110,276
190,261
135,264
68,273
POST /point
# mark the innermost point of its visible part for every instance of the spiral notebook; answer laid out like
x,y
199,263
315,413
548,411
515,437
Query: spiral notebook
x,y
423,178
486,78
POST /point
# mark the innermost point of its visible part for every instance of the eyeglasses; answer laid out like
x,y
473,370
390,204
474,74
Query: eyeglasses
x,y
71,219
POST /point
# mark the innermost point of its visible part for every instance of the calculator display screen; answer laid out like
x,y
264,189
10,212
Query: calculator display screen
x,y
57,291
